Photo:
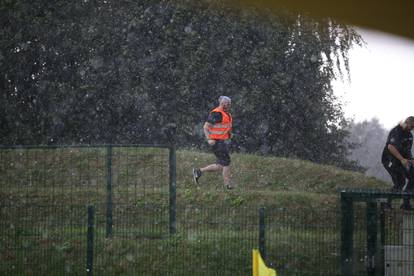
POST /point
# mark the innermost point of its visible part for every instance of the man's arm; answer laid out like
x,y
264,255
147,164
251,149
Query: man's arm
x,y
393,150
211,142
206,126
410,158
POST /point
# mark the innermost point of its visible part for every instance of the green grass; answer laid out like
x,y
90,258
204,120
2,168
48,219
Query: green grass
x,y
269,181
216,228
254,172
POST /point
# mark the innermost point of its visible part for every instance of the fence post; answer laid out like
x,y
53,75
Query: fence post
x,y
347,232
173,189
382,240
372,231
89,247
262,238
109,191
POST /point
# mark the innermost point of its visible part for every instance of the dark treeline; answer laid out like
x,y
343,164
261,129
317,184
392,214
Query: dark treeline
x,y
131,71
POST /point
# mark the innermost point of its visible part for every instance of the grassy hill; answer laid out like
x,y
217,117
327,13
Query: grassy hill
x,y
71,176
46,192
269,181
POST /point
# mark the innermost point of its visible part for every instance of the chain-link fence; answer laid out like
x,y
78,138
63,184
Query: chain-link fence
x,y
303,243
85,174
75,175
376,233
42,239
137,229
52,240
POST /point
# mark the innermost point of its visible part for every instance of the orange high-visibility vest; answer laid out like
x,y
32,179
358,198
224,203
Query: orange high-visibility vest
x,y
221,131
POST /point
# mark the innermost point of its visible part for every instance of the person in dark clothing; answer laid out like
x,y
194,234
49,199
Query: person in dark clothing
x,y
397,158
218,132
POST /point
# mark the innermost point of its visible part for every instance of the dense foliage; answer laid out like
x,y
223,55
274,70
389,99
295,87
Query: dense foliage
x,y
108,71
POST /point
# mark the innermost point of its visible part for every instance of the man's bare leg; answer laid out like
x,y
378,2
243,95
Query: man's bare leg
x,y
197,172
212,168
227,177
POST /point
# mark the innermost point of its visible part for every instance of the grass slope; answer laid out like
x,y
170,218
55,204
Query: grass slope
x,y
269,181
50,239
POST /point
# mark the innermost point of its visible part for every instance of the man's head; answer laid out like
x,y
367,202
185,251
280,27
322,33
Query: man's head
x,y
409,122
225,102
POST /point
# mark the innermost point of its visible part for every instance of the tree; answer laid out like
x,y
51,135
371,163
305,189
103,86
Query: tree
x,y
370,137
123,71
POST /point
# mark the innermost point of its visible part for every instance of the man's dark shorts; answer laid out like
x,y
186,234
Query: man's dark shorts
x,y
221,150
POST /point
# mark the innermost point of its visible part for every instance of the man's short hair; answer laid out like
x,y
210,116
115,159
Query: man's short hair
x,y
224,99
409,120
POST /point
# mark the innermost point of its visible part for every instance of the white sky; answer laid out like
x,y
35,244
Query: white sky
x,y
382,79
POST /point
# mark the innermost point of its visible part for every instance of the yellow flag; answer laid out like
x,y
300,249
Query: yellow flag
x,y
259,267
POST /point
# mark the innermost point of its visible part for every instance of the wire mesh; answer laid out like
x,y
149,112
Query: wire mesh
x,y
44,192
42,239
360,239
397,243
80,175
301,243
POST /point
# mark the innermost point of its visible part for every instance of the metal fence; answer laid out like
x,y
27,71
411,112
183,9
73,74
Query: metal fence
x,y
85,174
303,243
97,174
53,240
376,239
138,229
42,240
397,242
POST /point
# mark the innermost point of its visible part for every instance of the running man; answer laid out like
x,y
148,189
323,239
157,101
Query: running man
x,y
218,132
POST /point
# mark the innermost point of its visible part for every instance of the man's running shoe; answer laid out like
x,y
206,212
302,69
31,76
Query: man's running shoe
x,y
229,187
196,175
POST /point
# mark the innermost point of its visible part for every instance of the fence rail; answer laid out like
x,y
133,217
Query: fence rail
x,y
52,239
138,229
83,174
209,241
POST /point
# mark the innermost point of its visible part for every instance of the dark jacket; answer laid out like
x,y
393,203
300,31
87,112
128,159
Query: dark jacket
x,y
402,140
